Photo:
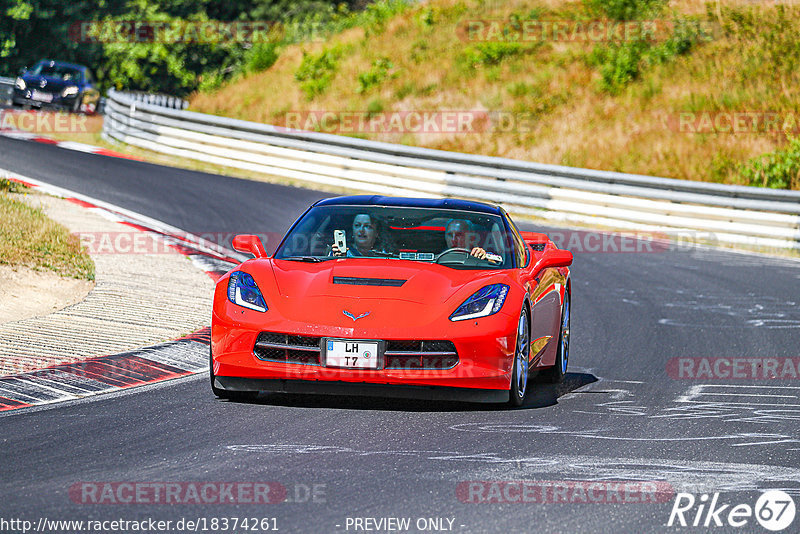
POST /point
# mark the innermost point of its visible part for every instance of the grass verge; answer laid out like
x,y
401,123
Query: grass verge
x,y
29,238
706,96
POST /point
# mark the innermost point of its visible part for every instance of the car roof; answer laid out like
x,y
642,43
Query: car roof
x,y
62,64
435,203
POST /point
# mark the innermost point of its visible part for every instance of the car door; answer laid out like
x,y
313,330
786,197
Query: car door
x,y
544,291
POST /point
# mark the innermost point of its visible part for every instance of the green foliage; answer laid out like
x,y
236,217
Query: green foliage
x,y
375,75
316,71
686,34
621,63
10,186
31,30
333,17
776,170
426,18
375,106
374,18
404,90
420,50
211,81
521,89
489,53
721,167
625,9
261,56
769,41
36,29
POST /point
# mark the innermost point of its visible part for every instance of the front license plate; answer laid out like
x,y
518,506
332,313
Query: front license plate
x,y
352,354
41,97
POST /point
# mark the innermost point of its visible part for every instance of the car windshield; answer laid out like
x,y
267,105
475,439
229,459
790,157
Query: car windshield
x,y
57,71
425,235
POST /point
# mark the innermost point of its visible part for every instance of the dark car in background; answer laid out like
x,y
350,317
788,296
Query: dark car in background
x,y
57,84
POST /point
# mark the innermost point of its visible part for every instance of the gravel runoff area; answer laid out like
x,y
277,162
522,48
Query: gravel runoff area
x,y
144,293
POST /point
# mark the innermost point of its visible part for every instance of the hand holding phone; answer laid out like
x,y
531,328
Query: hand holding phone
x,y
339,242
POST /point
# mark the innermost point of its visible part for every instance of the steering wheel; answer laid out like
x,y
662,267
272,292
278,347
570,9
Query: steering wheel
x,y
443,253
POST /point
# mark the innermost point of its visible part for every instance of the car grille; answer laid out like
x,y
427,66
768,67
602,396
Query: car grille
x,y
287,348
420,354
399,354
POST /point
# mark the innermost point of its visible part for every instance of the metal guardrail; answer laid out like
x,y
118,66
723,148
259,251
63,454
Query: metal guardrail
x,y
731,214
6,90
159,100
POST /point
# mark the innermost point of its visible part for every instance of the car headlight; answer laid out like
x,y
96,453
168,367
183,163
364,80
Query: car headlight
x,y
19,83
242,290
70,90
487,301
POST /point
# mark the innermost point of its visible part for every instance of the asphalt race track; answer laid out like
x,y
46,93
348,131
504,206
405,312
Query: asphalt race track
x,y
623,414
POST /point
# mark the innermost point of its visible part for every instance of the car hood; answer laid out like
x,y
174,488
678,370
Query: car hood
x,y
386,290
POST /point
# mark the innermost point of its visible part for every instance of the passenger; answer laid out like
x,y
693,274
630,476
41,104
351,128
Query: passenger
x,y
368,238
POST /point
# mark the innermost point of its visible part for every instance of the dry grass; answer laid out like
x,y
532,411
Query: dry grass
x,y
29,239
573,121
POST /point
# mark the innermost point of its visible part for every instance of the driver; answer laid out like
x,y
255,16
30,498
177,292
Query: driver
x,y
458,234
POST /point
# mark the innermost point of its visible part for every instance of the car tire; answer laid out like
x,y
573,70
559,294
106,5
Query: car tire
x,y
556,374
223,393
76,107
521,367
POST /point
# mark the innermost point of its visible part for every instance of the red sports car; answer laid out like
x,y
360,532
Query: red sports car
x,y
394,297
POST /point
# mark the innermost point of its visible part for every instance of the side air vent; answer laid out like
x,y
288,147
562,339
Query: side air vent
x,y
351,281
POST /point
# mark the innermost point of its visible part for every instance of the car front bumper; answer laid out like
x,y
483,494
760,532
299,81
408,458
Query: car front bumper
x,y
485,350
25,98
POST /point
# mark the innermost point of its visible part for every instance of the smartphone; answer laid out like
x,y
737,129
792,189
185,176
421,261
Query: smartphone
x,y
341,241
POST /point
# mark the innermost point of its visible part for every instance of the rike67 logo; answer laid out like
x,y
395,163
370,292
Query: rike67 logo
x,y
774,510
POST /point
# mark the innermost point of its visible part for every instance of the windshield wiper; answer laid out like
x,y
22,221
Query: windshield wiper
x,y
309,259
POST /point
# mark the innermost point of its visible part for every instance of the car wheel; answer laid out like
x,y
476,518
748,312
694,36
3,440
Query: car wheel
x,y
76,107
559,370
223,393
519,374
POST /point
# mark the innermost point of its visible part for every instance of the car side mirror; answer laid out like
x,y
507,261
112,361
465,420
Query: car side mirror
x,y
249,244
555,258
